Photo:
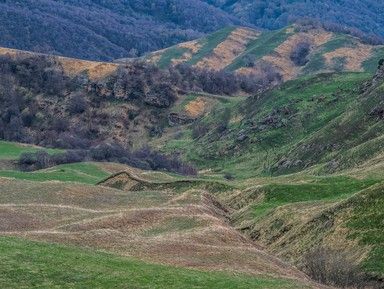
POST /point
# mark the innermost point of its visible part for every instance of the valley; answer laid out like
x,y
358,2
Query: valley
x,y
243,159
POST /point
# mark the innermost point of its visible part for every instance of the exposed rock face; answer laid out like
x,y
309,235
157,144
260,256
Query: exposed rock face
x,y
379,76
242,136
179,119
157,101
378,111
377,79
276,119
285,163
122,181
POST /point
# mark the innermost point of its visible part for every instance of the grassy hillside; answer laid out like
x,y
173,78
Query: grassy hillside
x,y
27,264
12,151
308,158
282,125
293,218
170,222
241,49
78,172
206,45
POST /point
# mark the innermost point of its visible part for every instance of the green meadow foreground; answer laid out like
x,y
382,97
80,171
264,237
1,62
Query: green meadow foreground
x,y
27,264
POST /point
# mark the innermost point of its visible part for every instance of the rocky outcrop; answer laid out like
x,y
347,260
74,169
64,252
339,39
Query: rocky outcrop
x,y
277,118
378,111
376,80
175,119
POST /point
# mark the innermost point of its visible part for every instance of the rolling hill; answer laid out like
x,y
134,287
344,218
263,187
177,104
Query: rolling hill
x,y
156,228
289,180
308,157
243,49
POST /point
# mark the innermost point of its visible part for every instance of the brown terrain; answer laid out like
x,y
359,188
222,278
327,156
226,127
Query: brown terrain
x,y
133,213
229,49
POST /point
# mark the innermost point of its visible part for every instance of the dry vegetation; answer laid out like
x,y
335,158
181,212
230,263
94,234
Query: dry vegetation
x,y
178,226
72,67
354,56
229,49
196,107
281,56
192,46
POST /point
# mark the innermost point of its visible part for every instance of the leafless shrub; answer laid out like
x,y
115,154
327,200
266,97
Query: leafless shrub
x,y
334,267
77,103
299,54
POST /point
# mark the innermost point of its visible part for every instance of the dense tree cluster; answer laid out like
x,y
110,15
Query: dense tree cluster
x,y
159,87
224,82
19,81
32,87
305,24
39,104
365,15
105,29
108,29
144,158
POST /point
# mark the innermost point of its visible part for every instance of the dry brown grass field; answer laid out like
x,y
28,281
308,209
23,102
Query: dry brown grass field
x,y
176,225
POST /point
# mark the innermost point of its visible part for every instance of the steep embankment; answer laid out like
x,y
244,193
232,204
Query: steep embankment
x,y
243,50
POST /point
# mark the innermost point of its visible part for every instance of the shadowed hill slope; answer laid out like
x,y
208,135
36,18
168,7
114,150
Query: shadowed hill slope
x,y
364,15
105,30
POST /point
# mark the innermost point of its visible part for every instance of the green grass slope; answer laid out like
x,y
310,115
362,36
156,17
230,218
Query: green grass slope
x,y
207,44
27,264
88,173
12,151
292,219
264,45
288,129
308,159
367,226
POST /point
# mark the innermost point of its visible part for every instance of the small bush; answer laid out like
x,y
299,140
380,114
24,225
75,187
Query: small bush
x,y
334,267
381,63
299,54
144,158
199,130
229,176
77,104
